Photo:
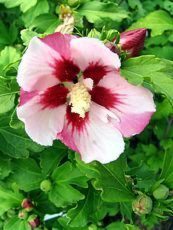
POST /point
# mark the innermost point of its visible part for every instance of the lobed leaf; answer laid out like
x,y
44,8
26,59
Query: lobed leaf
x,y
158,21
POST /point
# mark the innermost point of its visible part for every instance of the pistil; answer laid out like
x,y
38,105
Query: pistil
x,y
79,99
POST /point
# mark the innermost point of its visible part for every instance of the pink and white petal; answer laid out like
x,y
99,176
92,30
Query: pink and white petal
x,y
59,42
100,141
66,137
72,122
132,124
132,98
36,70
134,105
26,96
41,124
104,114
95,138
88,51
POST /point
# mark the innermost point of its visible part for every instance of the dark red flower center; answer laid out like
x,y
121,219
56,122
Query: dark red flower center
x,y
96,72
54,96
66,70
103,96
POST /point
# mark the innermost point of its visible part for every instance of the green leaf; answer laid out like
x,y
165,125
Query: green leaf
x,y
9,58
50,158
16,144
168,6
27,174
45,23
44,205
154,72
82,213
63,224
96,11
164,52
16,223
24,5
109,179
9,199
5,166
167,168
15,123
7,97
41,8
4,39
64,194
136,69
8,34
91,209
162,84
164,110
111,182
156,41
65,178
126,210
116,225
158,21
26,36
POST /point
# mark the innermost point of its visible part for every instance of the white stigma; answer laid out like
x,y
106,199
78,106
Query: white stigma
x,y
79,99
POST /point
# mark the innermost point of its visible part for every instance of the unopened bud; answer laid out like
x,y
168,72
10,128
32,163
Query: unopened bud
x,y
22,214
27,205
142,205
161,192
92,227
112,34
46,185
34,221
133,41
94,34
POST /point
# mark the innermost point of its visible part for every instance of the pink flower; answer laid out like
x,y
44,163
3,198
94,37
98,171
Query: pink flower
x,y
132,41
72,91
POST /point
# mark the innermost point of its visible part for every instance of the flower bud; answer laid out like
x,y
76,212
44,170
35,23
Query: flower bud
x,y
142,204
161,192
34,221
92,227
94,34
46,185
22,214
27,205
132,41
112,34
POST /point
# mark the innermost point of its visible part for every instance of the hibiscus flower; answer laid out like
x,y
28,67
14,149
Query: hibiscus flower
x,y
71,90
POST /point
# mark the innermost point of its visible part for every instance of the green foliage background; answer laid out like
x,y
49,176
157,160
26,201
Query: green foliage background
x,y
87,196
